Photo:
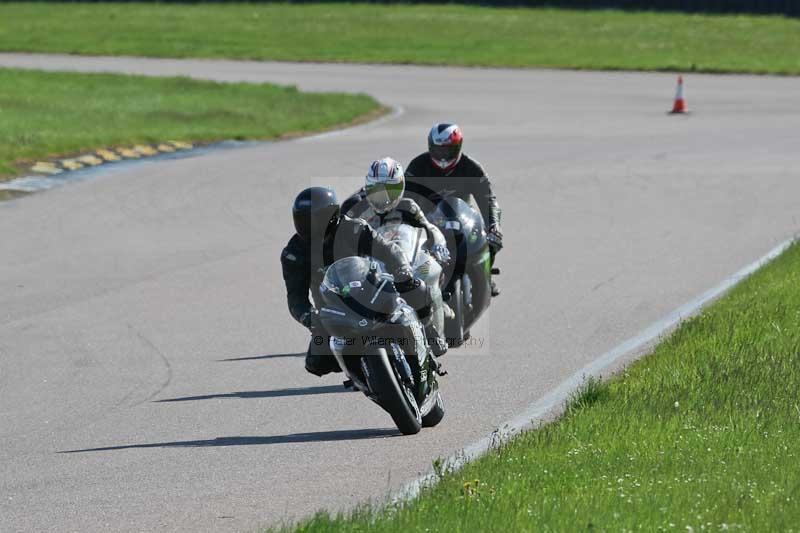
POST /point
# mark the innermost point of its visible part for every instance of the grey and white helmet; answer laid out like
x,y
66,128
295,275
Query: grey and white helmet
x,y
385,184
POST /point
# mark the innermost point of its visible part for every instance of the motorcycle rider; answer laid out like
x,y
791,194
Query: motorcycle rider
x,y
322,236
381,201
444,170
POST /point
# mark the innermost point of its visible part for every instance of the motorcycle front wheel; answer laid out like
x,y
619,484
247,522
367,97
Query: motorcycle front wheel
x,y
394,396
436,414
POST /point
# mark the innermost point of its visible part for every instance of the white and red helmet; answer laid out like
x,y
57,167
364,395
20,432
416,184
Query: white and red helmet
x,y
444,145
385,184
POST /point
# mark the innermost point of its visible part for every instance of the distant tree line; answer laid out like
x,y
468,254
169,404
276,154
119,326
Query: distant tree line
x,y
779,7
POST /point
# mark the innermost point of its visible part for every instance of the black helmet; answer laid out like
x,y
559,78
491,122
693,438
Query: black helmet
x,y
444,145
315,213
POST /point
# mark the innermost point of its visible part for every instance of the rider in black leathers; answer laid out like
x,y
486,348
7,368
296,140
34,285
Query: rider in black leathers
x,y
322,236
444,170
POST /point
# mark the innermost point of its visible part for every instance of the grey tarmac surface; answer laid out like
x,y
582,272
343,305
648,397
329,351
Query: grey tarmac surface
x,y
149,377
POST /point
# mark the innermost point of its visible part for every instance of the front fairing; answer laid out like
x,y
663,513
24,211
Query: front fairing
x,y
464,231
409,239
361,309
459,222
357,287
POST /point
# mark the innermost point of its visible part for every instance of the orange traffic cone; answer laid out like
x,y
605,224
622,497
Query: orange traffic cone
x,y
680,104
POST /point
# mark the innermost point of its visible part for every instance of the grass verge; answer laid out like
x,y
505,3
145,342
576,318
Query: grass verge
x,y
450,34
50,114
702,435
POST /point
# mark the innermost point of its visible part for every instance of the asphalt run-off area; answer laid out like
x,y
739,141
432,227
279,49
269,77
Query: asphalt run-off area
x,y
144,335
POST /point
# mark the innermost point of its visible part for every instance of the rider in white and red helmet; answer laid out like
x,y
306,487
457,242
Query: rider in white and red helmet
x,y
445,170
444,145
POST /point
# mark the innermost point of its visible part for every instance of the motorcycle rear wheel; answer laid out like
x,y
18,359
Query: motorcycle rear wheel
x,y
436,414
394,396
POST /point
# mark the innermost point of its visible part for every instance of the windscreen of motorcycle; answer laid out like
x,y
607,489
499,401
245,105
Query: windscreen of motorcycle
x,y
454,216
453,213
358,285
408,238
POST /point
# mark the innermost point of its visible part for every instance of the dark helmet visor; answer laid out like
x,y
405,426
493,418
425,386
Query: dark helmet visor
x,y
446,153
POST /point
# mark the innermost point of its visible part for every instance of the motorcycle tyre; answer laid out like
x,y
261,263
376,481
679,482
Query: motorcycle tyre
x,y
436,414
392,394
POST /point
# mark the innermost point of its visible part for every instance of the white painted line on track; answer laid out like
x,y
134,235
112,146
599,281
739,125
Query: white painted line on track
x,y
539,409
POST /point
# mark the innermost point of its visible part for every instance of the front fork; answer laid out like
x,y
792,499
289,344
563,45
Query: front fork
x,y
421,369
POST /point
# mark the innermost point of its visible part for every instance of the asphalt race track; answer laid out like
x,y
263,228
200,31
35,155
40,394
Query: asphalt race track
x,y
150,375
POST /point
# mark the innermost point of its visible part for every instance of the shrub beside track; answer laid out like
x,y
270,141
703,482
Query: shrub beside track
x,y
700,435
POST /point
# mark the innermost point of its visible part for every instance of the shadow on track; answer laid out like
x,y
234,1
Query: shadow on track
x,y
317,436
257,357
277,393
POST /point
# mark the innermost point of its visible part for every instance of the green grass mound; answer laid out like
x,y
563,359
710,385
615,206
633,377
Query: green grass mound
x,y
45,114
702,435
425,34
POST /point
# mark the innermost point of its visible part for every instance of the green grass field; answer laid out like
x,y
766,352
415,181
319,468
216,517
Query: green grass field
x,y
451,34
47,114
702,435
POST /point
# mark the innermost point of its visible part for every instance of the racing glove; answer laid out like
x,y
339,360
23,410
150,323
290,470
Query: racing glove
x,y
495,239
404,278
310,319
407,285
441,254
414,292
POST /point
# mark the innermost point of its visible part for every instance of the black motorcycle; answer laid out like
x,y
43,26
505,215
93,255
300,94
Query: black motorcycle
x,y
467,289
378,339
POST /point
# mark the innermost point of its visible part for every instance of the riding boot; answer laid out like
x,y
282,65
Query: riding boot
x,y
492,284
319,359
495,290
437,341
